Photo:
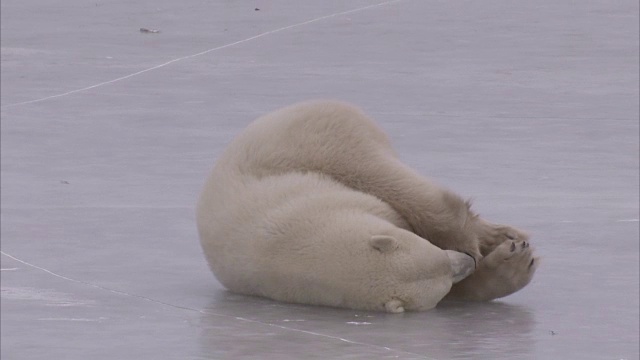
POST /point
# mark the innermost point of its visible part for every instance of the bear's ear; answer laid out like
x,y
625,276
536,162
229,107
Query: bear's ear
x,y
384,243
394,306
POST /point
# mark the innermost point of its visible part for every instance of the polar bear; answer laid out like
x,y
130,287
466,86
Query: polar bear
x,y
311,205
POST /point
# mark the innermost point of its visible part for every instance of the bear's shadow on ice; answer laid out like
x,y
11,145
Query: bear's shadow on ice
x,y
451,329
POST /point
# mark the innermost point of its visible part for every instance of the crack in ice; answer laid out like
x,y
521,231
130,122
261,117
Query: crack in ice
x,y
114,291
202,53
205,312
73,319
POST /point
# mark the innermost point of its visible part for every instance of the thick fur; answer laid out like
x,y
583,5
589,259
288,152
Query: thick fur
x,y
311,205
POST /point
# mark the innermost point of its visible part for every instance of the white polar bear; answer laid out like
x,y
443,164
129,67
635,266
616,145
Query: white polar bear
x,y
311,205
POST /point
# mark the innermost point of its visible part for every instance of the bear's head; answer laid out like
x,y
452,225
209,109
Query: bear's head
x,y
416,274
355,260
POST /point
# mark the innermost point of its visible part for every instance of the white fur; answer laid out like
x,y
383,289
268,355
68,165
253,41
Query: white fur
x,y
311,205
272,228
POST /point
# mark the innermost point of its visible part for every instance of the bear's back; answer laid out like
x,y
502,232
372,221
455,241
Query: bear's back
x,y
304,137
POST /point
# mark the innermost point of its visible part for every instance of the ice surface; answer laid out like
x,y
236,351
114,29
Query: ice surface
x,y
529,107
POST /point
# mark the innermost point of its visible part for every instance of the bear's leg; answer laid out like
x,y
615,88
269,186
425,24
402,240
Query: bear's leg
x,y
433,212
340,141
507,269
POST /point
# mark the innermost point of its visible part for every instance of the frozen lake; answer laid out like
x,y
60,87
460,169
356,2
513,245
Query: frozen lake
x,y
108,133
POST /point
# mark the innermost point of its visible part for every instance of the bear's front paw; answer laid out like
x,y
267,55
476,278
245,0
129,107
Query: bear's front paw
x,y
505,270
490,236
